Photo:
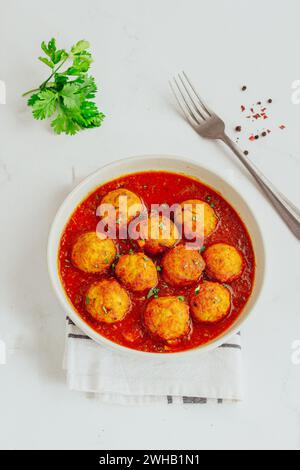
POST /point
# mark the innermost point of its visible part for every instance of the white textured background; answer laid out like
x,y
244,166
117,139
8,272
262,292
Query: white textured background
x,y
137,46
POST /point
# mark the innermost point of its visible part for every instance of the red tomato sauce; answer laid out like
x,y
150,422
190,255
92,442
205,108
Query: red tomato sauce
x,y
156,187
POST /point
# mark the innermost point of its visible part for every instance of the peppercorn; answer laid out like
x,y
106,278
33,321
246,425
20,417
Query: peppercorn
x,y
270,101
238,128
256,137
244,88
246,152
264,134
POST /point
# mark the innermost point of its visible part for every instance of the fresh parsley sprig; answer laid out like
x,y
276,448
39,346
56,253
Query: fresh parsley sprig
x,y
66,95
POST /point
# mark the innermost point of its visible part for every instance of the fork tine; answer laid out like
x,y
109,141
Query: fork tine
x,y
186,102
198,111
188,118
205,107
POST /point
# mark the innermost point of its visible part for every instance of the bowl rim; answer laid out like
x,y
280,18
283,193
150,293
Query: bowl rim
x,y
70,311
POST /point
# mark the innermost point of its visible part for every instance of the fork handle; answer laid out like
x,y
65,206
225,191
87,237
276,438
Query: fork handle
x,y
287,210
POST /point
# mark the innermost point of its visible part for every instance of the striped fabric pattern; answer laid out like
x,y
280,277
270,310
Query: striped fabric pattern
x,y
77,343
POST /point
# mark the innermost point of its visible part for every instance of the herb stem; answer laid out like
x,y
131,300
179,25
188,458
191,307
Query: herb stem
x,y
30,91
43,85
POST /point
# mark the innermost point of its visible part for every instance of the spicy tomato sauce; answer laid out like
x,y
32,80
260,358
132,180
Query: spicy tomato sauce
x,y
156,187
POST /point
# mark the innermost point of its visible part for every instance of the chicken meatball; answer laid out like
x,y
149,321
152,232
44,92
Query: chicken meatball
x,y
107,301
182,266
137,272
92,254
197,218
224,263
210,302
157,234
168,318
127,205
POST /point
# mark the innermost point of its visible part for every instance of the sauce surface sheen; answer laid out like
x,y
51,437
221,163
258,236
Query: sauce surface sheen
x,y
156,188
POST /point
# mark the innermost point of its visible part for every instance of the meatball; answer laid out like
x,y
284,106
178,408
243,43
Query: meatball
x,y
137,272
157,234
210,302
194,214
168,318
182,266
126,209
223,262
107,301
92,254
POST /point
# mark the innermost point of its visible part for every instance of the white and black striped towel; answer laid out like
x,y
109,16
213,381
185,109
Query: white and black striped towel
x,y
115,378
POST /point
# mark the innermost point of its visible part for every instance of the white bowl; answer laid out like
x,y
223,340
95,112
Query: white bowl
x,y
146,163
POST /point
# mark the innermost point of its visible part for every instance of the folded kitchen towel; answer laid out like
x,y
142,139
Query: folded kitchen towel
x,y
117,378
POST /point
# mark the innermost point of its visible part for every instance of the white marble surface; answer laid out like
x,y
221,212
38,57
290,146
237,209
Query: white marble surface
x,y
137,46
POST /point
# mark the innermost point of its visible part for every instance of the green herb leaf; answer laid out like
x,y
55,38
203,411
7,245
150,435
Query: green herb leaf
x,y
71,97
59,124
50,48
80,47
33,99
47,62
197,290
44,105
153,293
181,298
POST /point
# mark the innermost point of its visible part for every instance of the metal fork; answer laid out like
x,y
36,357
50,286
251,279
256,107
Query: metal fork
x,y
209,125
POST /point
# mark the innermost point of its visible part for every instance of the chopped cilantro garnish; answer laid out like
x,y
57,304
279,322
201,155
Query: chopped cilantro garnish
x,y
153,293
